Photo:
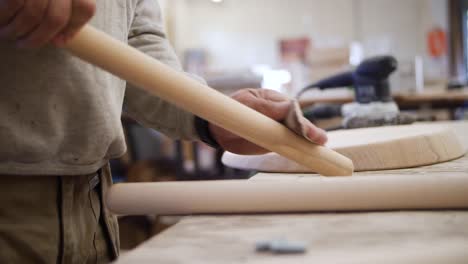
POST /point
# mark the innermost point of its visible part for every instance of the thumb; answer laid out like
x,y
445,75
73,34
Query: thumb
x,y
82,12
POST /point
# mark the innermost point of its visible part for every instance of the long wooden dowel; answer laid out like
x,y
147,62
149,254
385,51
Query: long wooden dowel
x,y
132,65
284,196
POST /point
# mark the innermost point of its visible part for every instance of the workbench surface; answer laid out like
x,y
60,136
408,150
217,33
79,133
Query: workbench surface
x,y
439,236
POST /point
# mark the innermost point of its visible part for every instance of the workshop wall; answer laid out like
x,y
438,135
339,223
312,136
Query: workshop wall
x,y
241,33
238,34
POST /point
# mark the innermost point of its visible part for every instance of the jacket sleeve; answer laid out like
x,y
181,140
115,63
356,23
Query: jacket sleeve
x,y
147,35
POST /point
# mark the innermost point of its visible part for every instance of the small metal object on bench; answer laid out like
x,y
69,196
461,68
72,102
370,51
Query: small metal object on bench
x,y
281,246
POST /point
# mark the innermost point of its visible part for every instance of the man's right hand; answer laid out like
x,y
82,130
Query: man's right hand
x,y
35,23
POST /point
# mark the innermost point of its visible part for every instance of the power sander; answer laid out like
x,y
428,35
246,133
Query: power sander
x,y
373,104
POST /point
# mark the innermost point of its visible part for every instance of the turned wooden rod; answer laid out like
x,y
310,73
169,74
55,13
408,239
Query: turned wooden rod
x,y
128,63
392,192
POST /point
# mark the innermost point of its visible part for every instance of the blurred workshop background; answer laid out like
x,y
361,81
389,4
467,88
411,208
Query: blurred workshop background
x,y
287,45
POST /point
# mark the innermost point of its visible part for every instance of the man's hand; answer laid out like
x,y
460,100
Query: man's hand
x,y
34,23
270,103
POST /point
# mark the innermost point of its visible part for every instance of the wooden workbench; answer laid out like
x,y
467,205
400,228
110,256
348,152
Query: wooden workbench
x,y
436,98
354,237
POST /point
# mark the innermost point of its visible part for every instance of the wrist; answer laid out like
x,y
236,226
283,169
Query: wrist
x,y
204,132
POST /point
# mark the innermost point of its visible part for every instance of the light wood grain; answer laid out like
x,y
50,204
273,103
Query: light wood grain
x,y
128,63
353,238
374,148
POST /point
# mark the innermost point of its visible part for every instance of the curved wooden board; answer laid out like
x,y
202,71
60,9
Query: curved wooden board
x,y
391,147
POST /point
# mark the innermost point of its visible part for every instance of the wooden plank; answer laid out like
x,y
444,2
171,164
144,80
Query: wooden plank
x,y
384,237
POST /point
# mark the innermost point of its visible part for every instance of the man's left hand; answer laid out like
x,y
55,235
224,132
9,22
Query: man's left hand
x,y
270,103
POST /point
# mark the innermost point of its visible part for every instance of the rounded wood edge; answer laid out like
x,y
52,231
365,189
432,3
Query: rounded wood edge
x,y
441,146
